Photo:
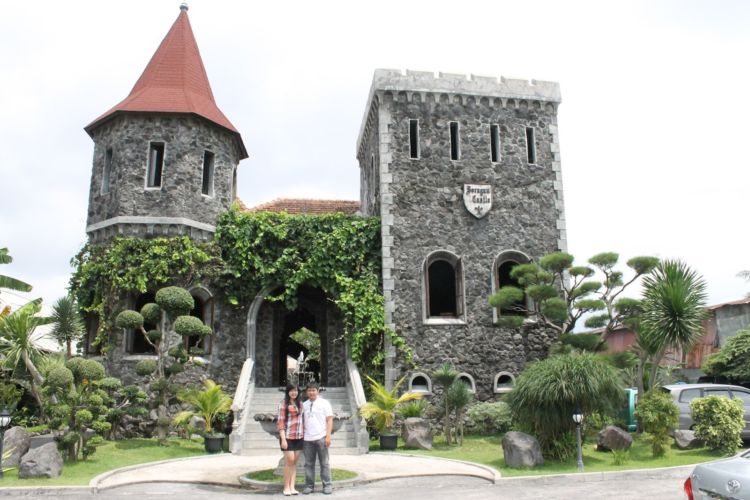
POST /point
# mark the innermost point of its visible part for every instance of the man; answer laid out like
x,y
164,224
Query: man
x,y
318,427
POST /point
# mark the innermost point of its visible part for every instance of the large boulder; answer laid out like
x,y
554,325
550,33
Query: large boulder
x,y
17,441
44,461
521,450
686,440
197,423
416,433
613,438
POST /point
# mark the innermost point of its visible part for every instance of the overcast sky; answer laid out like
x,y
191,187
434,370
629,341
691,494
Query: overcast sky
x,y
652,122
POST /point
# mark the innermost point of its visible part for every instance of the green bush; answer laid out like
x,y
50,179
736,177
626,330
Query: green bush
x,y
91,370
10,395
154,335
413,409
175,368
189,325
109,383
658,415
145,367
175,301
151,313
590,342
490,418
59,377
129,320
74,365
562,447
718,422
733,361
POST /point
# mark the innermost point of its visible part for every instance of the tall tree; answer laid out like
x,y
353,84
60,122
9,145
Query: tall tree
x,y
674,307
8,282
17,344
67,325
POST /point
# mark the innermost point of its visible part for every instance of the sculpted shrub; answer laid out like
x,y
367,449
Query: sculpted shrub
x,y
718,422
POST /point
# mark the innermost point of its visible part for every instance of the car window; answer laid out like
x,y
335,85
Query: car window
x,y
744,396
717,392
689,394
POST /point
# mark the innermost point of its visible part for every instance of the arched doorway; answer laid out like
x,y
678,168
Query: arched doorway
x,y
299,336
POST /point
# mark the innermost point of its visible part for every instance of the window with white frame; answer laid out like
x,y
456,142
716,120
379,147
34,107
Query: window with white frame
x,y
207,184
443,279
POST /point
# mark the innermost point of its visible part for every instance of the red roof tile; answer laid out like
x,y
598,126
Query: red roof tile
x,y
306,206
174,81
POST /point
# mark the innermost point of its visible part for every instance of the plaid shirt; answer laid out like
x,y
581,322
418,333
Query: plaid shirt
x,y
290,421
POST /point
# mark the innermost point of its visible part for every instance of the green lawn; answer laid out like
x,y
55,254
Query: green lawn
x,y
111,455
488,451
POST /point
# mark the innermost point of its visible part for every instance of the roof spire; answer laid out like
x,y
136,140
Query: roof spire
x,y
174,81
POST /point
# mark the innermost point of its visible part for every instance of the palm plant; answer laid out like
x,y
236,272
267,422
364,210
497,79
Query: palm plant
x,y
445,376
459,396
674,308
7,281
17,344
381,409
208,403
67,325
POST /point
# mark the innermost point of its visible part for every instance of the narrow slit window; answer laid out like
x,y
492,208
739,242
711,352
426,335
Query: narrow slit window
x,y
107,172
208,174
414,138
530,145
155,164
234,183
455,146
495,143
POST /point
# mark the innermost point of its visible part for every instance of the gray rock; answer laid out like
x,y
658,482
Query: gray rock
x,y
17,440
38,441
44,461
521,450
686,440
198,423
613,438
416,433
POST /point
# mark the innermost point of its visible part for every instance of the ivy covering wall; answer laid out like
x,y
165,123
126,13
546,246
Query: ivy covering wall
x,y
251,252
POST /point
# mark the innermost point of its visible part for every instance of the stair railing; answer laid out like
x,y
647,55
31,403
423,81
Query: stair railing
x,y
240,403
357,398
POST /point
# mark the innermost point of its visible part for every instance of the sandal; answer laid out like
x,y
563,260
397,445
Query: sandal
x,y
287,493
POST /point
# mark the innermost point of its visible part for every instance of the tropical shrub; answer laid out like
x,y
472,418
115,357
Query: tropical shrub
x,y
209,403
459,396
380,409
732,362
548,392
413,409
718,422
657,415
444,377
490,418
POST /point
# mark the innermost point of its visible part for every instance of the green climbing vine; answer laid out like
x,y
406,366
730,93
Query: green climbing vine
x,y
251,252
105,274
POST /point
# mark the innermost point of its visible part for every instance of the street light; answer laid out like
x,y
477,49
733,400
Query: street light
x,y
578,418
4,424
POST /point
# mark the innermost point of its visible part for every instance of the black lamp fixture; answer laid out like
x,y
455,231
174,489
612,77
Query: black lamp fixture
x,y
578,419
4,424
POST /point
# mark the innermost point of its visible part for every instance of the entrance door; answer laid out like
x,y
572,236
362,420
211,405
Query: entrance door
x,y
299,337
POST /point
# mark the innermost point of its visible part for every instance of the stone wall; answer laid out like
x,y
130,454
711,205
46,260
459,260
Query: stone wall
x,y
427,214
178,207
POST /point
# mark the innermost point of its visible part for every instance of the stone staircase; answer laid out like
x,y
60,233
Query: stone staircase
x,y
256,441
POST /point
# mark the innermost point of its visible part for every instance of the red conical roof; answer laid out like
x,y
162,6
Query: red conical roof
x,y
174,81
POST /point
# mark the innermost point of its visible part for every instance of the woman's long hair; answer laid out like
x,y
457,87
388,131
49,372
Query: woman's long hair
x,y
288,400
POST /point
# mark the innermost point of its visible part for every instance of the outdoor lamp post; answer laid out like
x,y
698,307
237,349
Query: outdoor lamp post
x,y
4,424
578,418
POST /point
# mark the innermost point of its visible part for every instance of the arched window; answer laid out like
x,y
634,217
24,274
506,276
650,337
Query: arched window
x,y
421,383
443,279
504,265
203,309
468,380
504,382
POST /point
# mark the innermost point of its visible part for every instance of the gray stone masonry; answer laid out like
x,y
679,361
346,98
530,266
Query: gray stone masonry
x,y
420,202
178,207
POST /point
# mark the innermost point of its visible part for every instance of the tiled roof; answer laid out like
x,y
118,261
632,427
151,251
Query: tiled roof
x,y
306,206
174,81
739,302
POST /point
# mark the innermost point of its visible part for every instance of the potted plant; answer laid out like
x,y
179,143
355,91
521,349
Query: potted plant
x,y
381,410
209,403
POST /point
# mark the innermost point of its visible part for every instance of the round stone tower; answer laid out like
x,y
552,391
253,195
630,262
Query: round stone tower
x,y
165,157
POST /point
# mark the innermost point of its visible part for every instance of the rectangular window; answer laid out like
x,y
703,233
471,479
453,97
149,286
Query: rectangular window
x,y
455,146
155,164
530,145
208,174
107,172
414,138
495,143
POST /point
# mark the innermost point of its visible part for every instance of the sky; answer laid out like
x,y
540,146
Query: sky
x,y
651,123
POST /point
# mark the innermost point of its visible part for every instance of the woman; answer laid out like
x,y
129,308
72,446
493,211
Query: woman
x,y
290,429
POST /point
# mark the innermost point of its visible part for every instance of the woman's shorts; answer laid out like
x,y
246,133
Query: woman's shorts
x,y
293,444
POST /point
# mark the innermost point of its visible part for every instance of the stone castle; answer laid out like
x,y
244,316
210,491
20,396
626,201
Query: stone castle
x,y
464,174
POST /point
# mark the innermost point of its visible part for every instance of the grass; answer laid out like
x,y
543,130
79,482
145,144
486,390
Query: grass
x,y
268,476
111,455
489,451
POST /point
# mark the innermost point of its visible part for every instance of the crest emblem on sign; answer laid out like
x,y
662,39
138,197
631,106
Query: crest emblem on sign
x,y
478,199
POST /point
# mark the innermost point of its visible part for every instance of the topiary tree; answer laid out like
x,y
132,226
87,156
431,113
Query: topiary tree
x,y
718,422
657,415
732,362
81,406
548,392
171,310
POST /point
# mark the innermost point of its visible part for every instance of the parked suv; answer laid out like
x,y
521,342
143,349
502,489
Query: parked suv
x,y
683,394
